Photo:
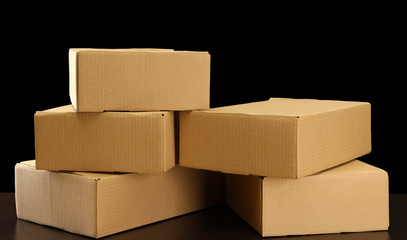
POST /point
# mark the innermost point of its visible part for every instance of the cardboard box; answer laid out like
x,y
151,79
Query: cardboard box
x,y
140,142
138,79
285,138
352,197
100,204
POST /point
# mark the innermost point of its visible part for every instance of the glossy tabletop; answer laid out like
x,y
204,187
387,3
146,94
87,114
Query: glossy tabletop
x,y
218,222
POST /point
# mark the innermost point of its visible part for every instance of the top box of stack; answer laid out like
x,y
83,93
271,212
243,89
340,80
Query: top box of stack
x,y
285,138
138,79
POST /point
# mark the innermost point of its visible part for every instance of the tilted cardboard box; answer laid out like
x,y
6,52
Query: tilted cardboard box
x,y
140,142
138,79
286,138
352,197
100,204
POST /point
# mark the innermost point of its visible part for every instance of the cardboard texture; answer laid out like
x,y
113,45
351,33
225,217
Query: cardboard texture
x,y
285,138
140,142
101,204
352,197
138,79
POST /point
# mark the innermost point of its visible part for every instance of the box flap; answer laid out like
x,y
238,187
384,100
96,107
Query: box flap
x,y
352,167
287,107
61,109
91,175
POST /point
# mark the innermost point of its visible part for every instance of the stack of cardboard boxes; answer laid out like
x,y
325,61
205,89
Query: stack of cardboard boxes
x,y
139,144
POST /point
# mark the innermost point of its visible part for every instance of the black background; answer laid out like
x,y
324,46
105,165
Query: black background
x,y
344,55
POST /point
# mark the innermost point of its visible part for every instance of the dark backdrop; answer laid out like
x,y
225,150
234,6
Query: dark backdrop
x,y
342,59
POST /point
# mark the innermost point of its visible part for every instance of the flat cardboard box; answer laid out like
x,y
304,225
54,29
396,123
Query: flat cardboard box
x,y
285,138
141,142
138,79
101,204
352,197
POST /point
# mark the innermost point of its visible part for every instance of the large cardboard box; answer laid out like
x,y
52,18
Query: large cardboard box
x,y
140,142
352,197
138,79
286,138
100,204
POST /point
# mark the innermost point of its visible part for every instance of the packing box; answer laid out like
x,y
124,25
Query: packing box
x,y
286,138
140,142
352,197
138,79
100,204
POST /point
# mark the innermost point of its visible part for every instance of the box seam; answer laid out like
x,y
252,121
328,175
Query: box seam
x,y
17,190
297,116
144,67
76,79
361,105
96,208
378,173
262,205
296,155
163,147
245,114
36,140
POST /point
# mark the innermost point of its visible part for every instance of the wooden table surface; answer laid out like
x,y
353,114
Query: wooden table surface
x,y
218,222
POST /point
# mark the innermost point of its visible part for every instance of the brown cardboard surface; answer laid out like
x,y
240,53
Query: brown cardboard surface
x,y
98,205
285,138
140,142
138,79
352,197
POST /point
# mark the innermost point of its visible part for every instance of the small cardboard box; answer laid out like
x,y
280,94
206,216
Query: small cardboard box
x,y
285,138
101,204
140,142
352,197
138,79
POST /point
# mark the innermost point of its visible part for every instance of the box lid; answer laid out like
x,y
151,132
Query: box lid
x,y
120,50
